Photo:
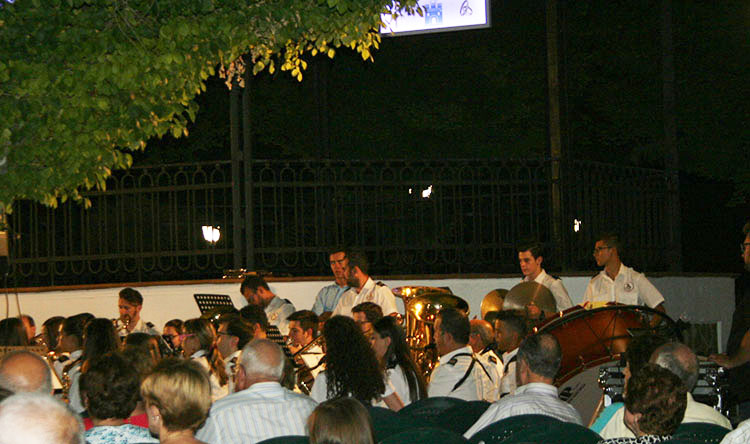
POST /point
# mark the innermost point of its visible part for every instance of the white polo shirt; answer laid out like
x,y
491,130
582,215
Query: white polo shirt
x,y
629,288
371,292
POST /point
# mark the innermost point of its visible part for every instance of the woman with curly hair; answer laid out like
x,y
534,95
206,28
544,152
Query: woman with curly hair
x,y
199,344
389,344
351,367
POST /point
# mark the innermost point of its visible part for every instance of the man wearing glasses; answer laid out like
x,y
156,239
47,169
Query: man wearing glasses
x,y
737,358
618,283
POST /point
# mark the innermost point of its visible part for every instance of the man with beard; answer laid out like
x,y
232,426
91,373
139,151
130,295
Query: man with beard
x,y
363,288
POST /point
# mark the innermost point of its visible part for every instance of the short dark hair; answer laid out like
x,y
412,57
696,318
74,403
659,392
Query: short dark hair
x,y
640,349
252,282
73,325
542,353
175,323
357,258
612,239
239,327
514,320
255,315
307,320
338,249
373,312
131,295
455,323
531,245
111,386
659,396
13,333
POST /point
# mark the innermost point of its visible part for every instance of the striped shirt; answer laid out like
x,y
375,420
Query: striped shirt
x,y
535,398
262,411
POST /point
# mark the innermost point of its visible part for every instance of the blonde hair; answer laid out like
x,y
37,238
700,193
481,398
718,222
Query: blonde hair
x,y
340,421
181,390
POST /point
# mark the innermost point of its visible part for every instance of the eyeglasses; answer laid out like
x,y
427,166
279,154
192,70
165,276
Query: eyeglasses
x,y
183,337
743,246
598,250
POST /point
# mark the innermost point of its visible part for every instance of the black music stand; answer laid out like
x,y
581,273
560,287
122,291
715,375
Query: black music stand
x,y
208,302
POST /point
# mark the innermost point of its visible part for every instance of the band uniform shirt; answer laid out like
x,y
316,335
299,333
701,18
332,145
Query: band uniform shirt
x,y
218,391
556,287
491,379
277,311
629,287
144,327
230,364
371,292
395,381
490,356
508,381
450,370
694,412
264,410
328,297
312,357
535,398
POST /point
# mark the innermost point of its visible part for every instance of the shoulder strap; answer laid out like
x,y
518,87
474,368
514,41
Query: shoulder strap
x,y
468,371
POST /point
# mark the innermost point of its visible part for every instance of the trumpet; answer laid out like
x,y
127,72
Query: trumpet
x,y
121,325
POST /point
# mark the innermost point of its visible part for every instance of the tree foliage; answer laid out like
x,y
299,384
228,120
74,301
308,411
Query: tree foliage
x,y
83,82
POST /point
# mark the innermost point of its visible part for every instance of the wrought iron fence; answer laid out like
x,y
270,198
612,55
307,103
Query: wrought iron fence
x,y
412,217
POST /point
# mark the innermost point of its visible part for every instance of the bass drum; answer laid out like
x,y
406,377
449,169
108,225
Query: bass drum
x,y
590,338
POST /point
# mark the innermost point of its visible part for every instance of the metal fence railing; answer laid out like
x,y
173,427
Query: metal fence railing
x,y
412,217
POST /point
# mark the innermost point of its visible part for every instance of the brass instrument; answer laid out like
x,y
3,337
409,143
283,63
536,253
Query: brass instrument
x,y
304,377
121,325
422,307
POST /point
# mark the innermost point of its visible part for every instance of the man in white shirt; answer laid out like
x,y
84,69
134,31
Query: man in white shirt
x,y
618,283
256,291
130,305
363,288
539,359
680,360
510,330
232,336
530,259
458,374
482,342
328,297
303,327
261,408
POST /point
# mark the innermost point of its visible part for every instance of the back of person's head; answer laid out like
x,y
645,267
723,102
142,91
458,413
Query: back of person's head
x,y
110,387
13,333
203,331
141,359
515,321
659,396
307,319
239,327
253,282
340,421
24,371
99,337
640,349
542,353
531,245
453,322
146,342
176,324
357,258
35,418
679,359
73,326
181,390
263,359
373,312
132,296
50,329
255,315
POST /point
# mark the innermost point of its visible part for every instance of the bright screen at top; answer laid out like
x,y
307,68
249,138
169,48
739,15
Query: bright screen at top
x,y
440,15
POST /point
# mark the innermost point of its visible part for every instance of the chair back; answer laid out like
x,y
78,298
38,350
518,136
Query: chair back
x,y
698,433
514,429
425,435
386,422
291,439
427,410
461,417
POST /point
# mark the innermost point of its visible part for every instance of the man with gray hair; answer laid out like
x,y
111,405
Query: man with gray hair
x,y
539,358
24,371
260,408
34,418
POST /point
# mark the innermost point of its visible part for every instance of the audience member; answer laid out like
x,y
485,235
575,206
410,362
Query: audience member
x,y
539,358
110,392
340,421
392,351
23,371
198,344
177,395
260,408
35,418
99,338
148,343
654,406
458,374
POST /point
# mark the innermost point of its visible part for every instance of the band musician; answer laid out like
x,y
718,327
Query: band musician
x,y
303,326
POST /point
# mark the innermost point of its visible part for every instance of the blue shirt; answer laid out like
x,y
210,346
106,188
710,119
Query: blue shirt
x,y
328,297
124,434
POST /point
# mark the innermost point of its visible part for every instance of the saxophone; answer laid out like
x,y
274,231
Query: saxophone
x,y
121,325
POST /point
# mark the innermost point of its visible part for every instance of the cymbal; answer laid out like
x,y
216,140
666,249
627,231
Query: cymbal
x,y
426,306
528,293
493,301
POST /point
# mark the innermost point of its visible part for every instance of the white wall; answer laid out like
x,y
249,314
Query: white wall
x,y
700,299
